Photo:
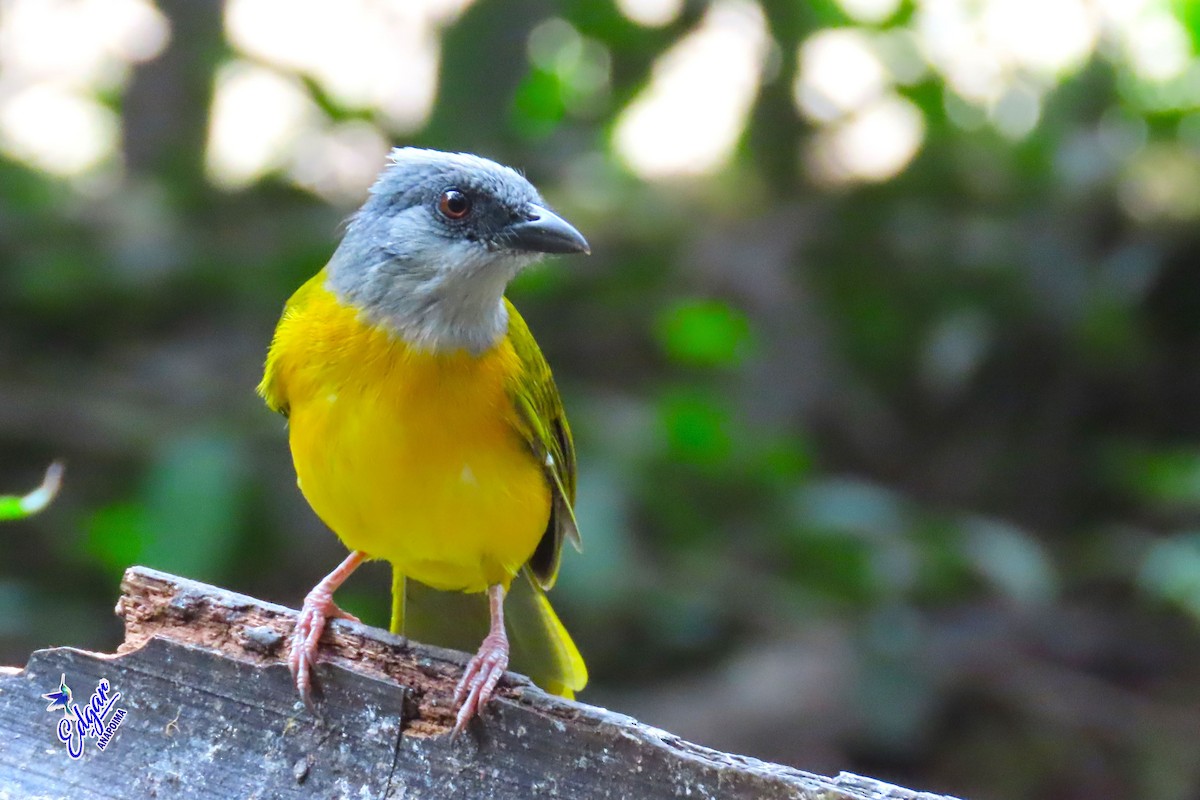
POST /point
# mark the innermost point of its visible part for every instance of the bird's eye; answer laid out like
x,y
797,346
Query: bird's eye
x,y
454,204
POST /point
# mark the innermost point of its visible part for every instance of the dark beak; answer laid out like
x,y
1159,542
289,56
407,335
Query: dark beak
x,y
543,231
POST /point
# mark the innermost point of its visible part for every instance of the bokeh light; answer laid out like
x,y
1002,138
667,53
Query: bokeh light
x,y
55,57
690,116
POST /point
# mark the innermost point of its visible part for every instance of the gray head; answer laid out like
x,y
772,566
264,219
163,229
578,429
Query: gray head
x,y
431,252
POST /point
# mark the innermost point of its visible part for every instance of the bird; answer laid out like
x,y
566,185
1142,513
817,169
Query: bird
x,y
60,698
424,423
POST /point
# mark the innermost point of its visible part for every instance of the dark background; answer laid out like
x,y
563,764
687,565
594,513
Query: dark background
x,y
897,474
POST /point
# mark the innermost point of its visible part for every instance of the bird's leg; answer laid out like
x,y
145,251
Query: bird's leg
x,y
317,609
486,668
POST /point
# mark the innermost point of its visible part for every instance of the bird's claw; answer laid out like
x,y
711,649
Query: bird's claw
x,y
317,610
479,680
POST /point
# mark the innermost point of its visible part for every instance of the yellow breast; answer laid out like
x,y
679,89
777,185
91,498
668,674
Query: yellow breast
x,y
407,455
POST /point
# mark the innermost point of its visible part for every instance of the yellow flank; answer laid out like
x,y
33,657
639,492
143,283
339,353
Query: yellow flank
x,y
409,456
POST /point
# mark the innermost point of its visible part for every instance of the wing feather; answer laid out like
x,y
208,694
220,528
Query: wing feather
x,y
542,423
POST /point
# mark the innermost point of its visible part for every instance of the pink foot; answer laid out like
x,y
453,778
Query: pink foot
x,y
318,608
479,681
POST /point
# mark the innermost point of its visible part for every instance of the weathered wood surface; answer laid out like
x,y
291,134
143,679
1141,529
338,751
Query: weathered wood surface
x,y
212,714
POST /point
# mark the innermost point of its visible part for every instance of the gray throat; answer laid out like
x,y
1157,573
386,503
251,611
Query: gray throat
x,y
429,308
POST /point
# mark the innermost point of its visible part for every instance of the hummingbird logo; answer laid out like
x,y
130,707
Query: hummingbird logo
x,y
60,699
97,721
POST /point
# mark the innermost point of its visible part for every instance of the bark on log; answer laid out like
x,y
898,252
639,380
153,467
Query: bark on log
x,y
211,713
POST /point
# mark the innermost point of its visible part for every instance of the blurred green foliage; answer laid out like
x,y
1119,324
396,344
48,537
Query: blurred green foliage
x,y
900,477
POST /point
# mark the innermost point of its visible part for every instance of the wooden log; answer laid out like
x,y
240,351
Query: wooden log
x,y
210,712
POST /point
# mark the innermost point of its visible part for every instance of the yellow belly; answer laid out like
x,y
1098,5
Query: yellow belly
x,y
411,456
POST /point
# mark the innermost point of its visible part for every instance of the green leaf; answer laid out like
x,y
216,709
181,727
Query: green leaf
x,y
1168,476
185,518
538,106
1188,14
193,501
1171,571
12,507
697,428
117,534
706,333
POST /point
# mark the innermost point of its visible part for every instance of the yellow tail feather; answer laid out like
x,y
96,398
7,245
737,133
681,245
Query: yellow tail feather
x,y
541,646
